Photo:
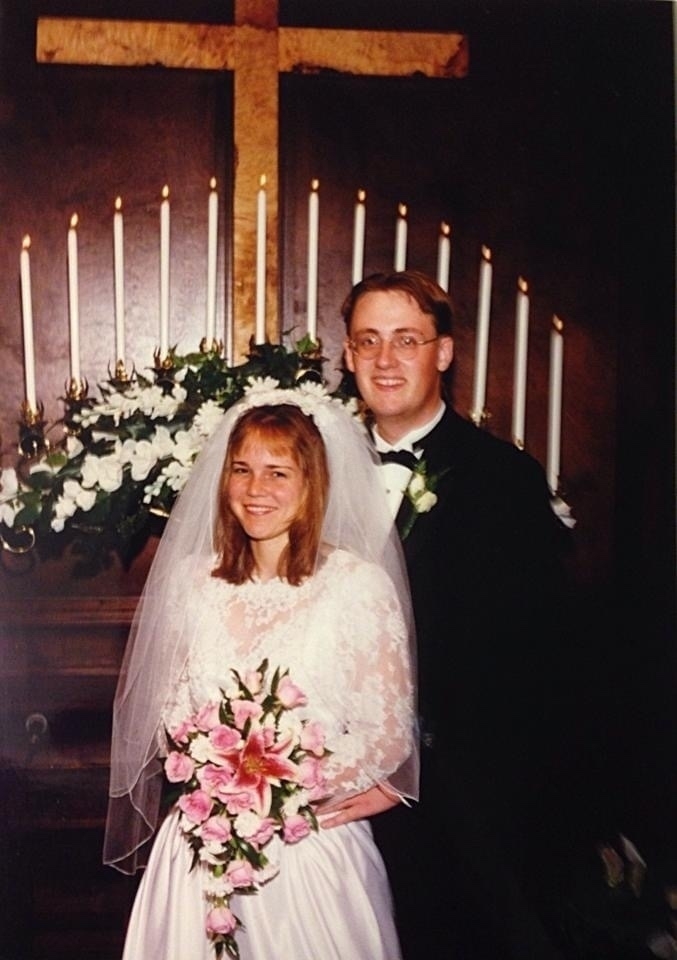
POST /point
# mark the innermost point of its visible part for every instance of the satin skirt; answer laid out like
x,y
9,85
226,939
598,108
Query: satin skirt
x,y
330,901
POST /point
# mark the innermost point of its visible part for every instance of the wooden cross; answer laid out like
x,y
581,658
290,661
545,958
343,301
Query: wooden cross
x,y
256,49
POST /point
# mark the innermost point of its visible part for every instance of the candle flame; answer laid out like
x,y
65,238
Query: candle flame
x,y
402,209
212,183
74,221
361,196
557,324
522,285
486,254
165,192
118,203
445,228
262,180
314,184
26,242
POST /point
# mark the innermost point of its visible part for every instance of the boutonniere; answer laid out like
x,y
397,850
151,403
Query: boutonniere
x,y
421,494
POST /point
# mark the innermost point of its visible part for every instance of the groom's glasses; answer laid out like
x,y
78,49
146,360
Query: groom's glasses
x,y
368,345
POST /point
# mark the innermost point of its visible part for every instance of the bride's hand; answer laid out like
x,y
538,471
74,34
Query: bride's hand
x,y
337,812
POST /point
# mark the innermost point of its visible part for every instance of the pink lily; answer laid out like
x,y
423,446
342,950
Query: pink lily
x,y
260,767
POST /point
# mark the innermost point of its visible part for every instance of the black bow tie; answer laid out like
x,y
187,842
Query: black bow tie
x,y
404,457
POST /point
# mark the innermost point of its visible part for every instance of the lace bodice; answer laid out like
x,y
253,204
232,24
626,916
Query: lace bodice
x,y
341,635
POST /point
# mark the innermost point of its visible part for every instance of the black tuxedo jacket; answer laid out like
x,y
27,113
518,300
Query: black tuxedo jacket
x,y
486,574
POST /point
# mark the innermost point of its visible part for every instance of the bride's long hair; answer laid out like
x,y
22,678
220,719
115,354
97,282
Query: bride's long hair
x,y
284,429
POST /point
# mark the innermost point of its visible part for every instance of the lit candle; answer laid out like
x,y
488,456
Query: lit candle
x,y
358,237
119,274
164,272
555,404
400,262
313,246
261,262
444,256
27,316
74,310
482,338
212,244
519,393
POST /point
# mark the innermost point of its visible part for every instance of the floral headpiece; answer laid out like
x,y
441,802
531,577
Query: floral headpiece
x,y
313,399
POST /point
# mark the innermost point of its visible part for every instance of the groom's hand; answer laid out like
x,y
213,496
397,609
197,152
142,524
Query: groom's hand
x,y
375,800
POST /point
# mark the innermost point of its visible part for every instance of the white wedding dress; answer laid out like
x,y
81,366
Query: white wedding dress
x,y
342,637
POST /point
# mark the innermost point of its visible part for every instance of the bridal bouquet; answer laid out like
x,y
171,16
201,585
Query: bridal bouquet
x,y
248,768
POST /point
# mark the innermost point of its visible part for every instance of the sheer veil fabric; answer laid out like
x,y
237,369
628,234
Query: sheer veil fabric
x,y
357,520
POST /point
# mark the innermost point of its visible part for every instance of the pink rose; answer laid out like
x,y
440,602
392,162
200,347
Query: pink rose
x,y
264,832
220,920
252,681
179,733
216,829
216,780
178,767
310,772
295,828
312,738
244,710
240,802
196,805
224,738
289,694
207,717
240,873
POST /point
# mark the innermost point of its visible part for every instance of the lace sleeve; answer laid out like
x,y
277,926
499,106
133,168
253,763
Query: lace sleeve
x,y
378,707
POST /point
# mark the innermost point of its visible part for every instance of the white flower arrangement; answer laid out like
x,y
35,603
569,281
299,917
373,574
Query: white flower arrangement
x,y
127,454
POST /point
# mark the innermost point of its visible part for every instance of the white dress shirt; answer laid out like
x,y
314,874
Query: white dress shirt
x,y
395,476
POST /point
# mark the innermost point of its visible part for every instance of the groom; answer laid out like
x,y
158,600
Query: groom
x,y
483,551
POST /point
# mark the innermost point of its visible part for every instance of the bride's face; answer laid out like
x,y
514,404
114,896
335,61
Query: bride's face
x,y
265,490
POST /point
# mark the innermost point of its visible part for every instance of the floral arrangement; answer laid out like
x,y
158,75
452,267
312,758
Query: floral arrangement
x,y
126,454
421,495
248,769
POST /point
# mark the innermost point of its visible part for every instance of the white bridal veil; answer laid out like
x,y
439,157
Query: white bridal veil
x,y
357,520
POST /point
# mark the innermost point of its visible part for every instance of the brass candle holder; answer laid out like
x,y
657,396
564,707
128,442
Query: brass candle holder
x,y
480,417
215,347
32,440
164,370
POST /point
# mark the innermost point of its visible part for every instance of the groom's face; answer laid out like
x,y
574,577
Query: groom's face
x,y
402,390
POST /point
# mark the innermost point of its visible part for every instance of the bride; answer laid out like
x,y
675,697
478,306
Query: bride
x,y
284,550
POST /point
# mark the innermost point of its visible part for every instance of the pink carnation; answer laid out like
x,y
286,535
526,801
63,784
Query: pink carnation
x,y
310,773
265,831
178,767
207,717
196,805
244,710
216,780
220,920
295,828
240,801
312,738
289,694
179,733
216,829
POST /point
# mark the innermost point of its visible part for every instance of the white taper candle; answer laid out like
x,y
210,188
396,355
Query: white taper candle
x,y
27,319
519,393
73,299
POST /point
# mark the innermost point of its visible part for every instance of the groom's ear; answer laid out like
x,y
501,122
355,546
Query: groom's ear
x,y
445,352
348,355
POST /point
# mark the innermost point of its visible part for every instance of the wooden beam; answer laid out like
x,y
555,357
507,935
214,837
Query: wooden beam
x,y
373,53
135,43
